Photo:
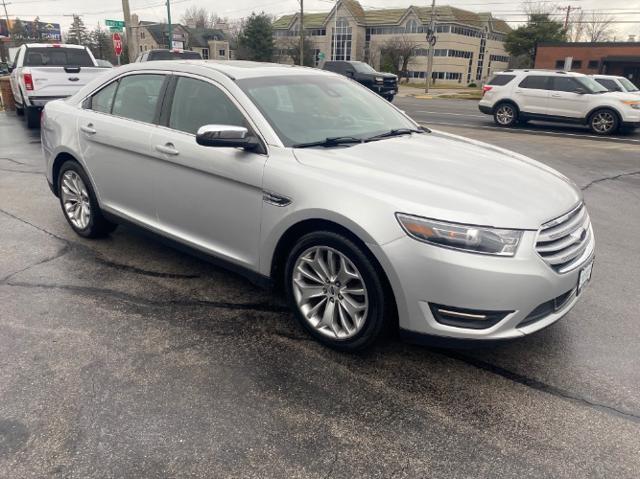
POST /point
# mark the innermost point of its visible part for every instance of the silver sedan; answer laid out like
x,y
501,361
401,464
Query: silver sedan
x,y
306,180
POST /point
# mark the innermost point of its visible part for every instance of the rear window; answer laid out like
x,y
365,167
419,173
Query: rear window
x,y
608,84
501,80
536,82
168,55
57,57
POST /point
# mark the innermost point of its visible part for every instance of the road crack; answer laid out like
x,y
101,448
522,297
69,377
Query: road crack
x,y
606,178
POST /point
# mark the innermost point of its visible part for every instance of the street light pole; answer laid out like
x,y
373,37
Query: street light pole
x,y
131,44
430,38
301,33
169,24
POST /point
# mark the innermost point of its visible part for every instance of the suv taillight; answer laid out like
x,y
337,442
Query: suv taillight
x,y
485,89
28,81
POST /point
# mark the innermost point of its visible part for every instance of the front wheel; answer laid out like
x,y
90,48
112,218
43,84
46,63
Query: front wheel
x,y
390,98
604,122
505,115
336,293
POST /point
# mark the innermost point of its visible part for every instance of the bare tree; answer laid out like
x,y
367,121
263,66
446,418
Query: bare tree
x,y
397,52
199,17
576,27
599,27
533,7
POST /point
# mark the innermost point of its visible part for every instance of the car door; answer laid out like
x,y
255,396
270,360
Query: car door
x,y
114,131
532,94
208,197
568,98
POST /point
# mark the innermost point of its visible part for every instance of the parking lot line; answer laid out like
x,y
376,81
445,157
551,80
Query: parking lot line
x,y
452,114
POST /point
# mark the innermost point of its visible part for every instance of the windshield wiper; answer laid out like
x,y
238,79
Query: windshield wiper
x,y
394,132
330,141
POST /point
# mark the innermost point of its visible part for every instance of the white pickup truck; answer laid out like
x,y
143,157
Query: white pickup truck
x,y
42,72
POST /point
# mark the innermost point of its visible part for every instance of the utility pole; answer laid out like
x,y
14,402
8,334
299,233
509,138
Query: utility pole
x,y
126,12
301,32
431,39
568,9
5,56
169,24
335,32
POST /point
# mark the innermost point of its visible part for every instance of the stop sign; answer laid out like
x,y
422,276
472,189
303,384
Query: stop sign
x,y
117,43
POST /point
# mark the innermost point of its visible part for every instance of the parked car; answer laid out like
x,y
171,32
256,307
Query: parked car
x,y
104,63
43,72
302,179
515,96
616,83
164,54
384,84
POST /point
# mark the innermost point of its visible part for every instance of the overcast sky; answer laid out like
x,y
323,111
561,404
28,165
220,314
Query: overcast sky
x,y
94,11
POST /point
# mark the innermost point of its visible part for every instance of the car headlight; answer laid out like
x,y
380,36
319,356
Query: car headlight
x,y
475,239
379,79
635,104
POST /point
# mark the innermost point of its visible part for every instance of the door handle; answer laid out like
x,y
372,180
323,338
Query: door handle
x,y
556,95
167,149
89,129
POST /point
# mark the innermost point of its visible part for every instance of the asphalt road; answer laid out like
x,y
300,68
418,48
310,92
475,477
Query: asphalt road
x,y
465,113
123,358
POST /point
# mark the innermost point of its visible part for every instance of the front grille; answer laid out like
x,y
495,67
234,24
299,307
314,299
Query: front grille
x,y
567,241
390,82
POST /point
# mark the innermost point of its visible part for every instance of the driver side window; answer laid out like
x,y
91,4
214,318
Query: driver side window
x,y
197,103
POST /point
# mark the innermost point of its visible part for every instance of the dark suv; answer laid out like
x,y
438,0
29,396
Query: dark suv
x,y
162,54
384,84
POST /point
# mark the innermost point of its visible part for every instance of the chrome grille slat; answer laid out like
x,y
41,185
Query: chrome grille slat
x,y
566,242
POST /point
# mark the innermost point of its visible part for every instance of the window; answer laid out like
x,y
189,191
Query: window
x,y
608,84
559,64
58,57
221,53
341,40
197,103
103,100
563,83
536,82
413,27
501,80
205,53
137,97
593,64
576,64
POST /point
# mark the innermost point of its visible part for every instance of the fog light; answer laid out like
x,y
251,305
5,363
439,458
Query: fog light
x,y
466,318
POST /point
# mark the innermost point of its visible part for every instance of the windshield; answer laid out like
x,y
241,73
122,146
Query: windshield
x,y
363,67
310,108
628,85
57,57
169,55
591,85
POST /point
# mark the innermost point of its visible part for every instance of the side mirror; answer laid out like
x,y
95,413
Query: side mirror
x,y
10,68
350,73
227,136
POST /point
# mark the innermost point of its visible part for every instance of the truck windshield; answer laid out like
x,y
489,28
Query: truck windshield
x,y
310,108
169,55
57,57
362,67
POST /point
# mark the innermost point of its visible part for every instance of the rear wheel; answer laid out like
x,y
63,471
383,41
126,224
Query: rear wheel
x,y
505,115
604,122
19,111
79,203
336,292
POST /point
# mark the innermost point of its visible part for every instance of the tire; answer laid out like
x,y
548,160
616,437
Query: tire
x,y
353,289
390,98
604,122
19,111
33,117
505,115
74,187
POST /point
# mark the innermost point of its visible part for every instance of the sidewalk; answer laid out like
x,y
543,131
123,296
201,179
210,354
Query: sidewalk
x,y
440,93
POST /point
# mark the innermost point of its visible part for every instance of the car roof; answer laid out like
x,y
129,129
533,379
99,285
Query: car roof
x,y
612,77
56,45
234,69
542,72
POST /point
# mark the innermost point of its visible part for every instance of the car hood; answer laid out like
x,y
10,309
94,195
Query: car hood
x,y
622,95
451,178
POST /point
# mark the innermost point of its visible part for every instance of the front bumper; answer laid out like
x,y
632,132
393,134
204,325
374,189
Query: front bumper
x,y
422,275
385,90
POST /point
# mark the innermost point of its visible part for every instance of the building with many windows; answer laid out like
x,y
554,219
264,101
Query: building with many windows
x,y
469,46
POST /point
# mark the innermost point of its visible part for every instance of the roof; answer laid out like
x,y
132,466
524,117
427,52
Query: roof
x,y
199,37
589,44
159,30
395,16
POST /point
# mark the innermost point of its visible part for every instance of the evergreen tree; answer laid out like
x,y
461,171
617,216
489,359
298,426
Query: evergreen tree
x,y
101,45
540,27
78,32
255,42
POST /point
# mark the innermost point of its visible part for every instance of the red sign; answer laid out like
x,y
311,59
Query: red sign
x,y
117,43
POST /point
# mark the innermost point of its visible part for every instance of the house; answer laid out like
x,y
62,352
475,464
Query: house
x,y
469,46
209,42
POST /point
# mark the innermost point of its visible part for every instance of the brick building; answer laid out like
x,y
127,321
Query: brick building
x,y
611,58
469,45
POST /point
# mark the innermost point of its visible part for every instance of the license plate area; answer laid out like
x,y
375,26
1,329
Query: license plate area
x,y
584,277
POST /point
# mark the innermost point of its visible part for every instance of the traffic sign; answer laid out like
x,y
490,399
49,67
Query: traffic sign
x,y
117,43
115,29
321,56
114,23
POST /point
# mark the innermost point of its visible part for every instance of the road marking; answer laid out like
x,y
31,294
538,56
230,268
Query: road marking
x,y
539,132
453,114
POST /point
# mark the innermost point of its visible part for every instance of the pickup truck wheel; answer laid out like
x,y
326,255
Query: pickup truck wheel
x,y
389,98
79,203
505,115
19,111
33,117
604,122
336,293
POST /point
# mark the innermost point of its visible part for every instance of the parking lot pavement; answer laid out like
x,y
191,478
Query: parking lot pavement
x,y
124,358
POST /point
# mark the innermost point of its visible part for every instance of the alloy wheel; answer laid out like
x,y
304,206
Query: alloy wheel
x,y
330,292
75,199
603,122
505,115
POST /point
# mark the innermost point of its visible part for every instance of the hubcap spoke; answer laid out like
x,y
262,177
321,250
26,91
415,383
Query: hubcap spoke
x,y
330,292
75,199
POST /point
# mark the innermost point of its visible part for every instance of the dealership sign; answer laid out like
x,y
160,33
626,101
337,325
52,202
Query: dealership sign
x,y
33,30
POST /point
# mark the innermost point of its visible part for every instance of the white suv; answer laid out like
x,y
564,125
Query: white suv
x,y
516,96
616,83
